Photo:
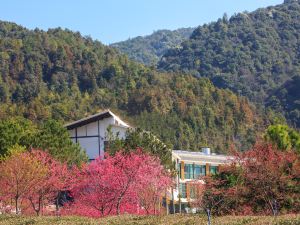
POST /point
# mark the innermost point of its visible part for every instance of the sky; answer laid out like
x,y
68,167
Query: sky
x,y
111,21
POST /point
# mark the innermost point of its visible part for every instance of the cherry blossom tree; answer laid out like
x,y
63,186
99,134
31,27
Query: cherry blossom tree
x,y
153,184
118,183
55,179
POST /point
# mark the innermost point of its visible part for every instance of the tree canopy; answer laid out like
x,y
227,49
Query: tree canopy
x,y
284,137
149,49
49,135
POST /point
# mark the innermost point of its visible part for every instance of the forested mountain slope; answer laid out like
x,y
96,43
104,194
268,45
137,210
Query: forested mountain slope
x,y
251,53
286,99
61,75
148,49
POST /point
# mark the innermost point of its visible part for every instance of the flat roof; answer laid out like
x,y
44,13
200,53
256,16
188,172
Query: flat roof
x,y
201,156
94,118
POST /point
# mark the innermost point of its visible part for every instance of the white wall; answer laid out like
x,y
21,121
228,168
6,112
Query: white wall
x,y
92,128
81,131
91,146
119,130
87,135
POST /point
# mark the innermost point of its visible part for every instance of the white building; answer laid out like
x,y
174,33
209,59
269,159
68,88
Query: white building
x,y
191,166
91,132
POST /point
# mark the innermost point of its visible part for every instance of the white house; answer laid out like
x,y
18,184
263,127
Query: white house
x,y
91,132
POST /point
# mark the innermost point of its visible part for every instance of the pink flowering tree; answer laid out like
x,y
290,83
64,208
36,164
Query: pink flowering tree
x,y
118,184
55,179
154,184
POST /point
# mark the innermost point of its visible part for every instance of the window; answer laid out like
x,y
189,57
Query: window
x,y
182,190
188,171
213,169
192,171
199,170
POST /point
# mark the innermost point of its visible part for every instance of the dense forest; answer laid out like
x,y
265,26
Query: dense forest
x,y
149,49
254,54
61,75
286,99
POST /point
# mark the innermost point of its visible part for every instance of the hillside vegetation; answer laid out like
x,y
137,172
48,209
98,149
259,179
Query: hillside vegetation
x,y
149,49
61,75
253,54
286,99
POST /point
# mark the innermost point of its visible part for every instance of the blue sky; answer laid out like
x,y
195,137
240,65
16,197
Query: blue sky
x,y
116,20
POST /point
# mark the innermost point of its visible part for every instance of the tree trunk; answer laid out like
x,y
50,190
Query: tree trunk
x,y
167,207
37,210
16,204
180,205
118,205
173,205
57,203
41,206
274,207
208,216
159,205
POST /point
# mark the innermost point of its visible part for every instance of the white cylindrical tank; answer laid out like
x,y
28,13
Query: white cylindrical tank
x,y
206,151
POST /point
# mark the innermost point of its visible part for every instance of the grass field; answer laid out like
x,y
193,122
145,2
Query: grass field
x,y
143,220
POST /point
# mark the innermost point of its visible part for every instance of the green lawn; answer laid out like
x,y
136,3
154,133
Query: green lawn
x,y
143,220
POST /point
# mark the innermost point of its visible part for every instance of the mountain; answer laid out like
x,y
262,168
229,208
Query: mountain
x,y
61,75
252,54
150,48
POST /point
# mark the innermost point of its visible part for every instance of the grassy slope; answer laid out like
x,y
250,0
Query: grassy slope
x,y
138,220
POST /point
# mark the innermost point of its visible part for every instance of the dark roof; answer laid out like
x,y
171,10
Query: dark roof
x,y
89,119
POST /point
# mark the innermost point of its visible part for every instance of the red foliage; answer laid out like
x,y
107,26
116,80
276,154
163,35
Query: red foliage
x,y
262,180
32,178
55,179
125,183
270,176
131,183
20,173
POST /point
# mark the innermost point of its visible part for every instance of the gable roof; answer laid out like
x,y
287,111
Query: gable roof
x,y
96,117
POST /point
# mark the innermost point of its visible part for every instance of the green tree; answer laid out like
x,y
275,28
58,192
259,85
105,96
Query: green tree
x,y
284,137
50,136
15,131
140,139
54,138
